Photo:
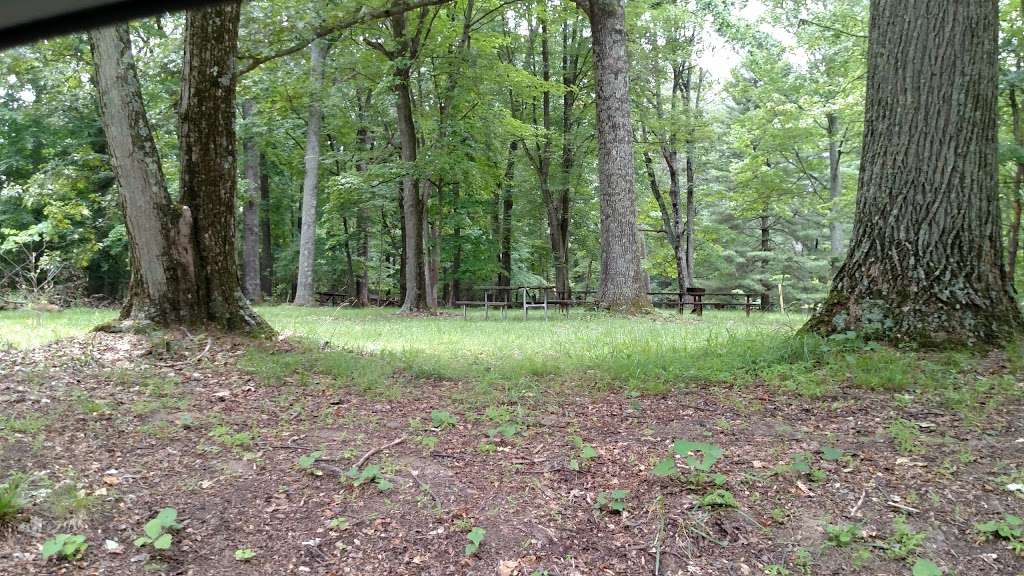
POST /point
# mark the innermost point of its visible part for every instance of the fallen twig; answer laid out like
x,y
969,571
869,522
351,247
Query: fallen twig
x,y
368,455
856,508
209,342
902,507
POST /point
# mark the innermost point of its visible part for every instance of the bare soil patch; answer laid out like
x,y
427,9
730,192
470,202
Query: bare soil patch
x,y
136,425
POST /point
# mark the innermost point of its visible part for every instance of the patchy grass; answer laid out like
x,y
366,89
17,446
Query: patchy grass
x,y
21,329
719,445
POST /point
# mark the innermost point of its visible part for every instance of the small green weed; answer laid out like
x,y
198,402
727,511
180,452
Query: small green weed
x,y
29,424
903,542
225,435
613,502
66,546
442,419
1009,528
307,462
157,532
11,501
476,538
842,535
718,499
245,554
906,436
584,454
67,501
370,474
925,568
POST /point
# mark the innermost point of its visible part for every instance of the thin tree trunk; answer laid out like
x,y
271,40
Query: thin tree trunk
x,y
456,282
505,242
363,212
766,246
624,283
310,184
251,213
835,189
412,201
925,263
266,241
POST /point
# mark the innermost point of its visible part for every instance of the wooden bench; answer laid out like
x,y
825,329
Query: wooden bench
x,y
331,298
487,304
749,301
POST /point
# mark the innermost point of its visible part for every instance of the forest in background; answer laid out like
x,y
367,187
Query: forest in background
x,y
745,177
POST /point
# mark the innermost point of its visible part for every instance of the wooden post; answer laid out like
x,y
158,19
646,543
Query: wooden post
x,y
782,303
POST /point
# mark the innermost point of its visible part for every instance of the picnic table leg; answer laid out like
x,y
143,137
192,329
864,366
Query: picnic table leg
x,y
698,304
747,306
465,312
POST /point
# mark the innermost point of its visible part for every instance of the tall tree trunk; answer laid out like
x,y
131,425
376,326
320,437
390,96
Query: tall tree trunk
x,y
251,213
669,220
835,188
162,287
431,245
925,264
624,282
266,241
456,282
505,241
766,246
363,212
310,183
206,138
1013,240
412,201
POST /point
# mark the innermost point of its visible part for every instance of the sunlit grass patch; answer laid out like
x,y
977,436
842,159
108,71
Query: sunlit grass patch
x,y
21,329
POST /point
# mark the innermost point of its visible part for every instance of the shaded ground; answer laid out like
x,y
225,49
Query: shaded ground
x,y
111,429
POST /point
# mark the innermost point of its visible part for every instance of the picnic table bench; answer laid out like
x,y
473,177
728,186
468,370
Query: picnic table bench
x,y
543,297
488,302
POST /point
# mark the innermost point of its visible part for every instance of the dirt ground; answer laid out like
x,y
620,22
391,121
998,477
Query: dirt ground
x,y
135,426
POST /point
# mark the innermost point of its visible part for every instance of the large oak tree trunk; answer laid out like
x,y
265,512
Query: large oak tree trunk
x,y
925,264
624,283
251,213
208,165
311,180
162,288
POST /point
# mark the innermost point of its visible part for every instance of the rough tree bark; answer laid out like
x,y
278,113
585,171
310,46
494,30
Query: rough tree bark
x,y
184,266
251,213
624,283
925,264
1013,240
162,287
835,188
206,137
311,180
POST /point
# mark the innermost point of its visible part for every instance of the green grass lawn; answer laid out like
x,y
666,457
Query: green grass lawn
x,y
21,329
644,352
512,357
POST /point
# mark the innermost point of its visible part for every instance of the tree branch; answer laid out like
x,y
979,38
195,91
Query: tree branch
x,y
364,16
